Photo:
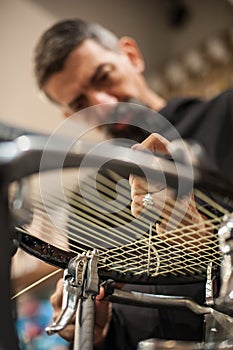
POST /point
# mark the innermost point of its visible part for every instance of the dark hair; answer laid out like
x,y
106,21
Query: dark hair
x,y
61,39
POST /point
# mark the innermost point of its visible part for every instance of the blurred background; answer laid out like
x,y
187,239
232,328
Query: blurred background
x,y
187,45
188,50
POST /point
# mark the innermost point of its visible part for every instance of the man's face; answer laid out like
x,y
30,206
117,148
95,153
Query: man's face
x,y
94,75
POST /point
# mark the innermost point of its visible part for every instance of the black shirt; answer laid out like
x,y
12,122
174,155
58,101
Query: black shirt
x,y
210,123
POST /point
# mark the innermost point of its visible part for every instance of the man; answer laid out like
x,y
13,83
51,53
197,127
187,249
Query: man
x,y
80,64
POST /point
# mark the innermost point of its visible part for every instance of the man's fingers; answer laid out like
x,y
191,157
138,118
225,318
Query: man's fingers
x,y
101,294
56,297
159,199
140,186
68,332
156,143
102,309
102,314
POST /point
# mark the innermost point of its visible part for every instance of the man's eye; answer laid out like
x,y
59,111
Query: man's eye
x,y
104,77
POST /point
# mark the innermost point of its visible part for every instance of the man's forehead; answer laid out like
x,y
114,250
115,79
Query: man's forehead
x,y
87,50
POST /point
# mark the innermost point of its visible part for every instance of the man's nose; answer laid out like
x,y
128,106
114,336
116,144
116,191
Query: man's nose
x,y
99,97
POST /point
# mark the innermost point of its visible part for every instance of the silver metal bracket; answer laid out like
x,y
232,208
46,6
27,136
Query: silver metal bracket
x,y
80,281
225,234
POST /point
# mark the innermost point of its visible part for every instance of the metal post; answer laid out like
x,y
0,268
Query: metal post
x,y
8,340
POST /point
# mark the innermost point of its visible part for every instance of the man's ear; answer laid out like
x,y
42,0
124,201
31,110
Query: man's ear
x,y
129,47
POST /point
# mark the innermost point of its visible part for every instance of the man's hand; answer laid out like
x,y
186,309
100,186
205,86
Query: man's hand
x,y
103,314
172,213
